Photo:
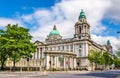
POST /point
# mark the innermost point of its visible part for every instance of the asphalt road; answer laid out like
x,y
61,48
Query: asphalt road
x,y
103,74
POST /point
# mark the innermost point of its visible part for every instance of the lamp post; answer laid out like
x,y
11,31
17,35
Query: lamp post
x,y
28,63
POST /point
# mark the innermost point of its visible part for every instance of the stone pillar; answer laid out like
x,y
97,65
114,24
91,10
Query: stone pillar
x,y
86,45
74,62
70,62
83,49
64,58
47,61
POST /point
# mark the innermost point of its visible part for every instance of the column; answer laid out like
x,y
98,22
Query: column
x,y
64,62
73,48
74,62
39,53
83,49
57,62
86,49
69,47
47,61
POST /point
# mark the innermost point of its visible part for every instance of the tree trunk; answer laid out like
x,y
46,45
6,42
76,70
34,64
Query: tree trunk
x,y
13,65
92,66
2,65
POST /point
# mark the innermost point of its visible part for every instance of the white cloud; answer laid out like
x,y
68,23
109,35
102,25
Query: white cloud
x,y
115,42
64,15
6,21
114,11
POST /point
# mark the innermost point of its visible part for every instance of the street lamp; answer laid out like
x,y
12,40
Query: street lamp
x,y
28,63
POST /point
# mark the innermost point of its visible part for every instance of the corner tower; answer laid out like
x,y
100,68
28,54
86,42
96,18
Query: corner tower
x,y
82,28
109,47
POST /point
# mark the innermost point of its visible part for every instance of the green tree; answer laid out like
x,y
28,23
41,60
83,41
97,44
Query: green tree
x,y
101,60
108,59
117,60
94,57
118,54
3,50
19,44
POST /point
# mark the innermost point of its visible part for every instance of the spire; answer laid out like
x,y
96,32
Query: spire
x,y
82,14
108,42
54,28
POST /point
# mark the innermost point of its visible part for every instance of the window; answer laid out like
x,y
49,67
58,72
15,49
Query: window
x,y
80,46
67,47
62,47
80,29
58,47
40,52
71,47
80,52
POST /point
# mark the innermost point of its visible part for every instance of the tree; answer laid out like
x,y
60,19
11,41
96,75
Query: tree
x,y
18,42
101,60
117,60
108,59
118,54
3,50
94,57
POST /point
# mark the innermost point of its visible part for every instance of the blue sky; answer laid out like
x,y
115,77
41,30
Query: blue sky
x,y
9,8
41,15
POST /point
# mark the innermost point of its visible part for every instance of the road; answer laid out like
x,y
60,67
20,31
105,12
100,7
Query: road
x,y
81,74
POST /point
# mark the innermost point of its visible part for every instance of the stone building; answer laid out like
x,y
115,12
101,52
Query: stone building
x,y
58,53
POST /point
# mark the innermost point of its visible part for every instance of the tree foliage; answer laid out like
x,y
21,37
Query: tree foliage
x,y
117,60
3,49
99,58
94,56
108,59
118,54
16,42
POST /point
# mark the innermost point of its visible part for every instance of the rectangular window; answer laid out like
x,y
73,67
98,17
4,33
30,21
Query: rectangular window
x,y
67,47
71,48
80,46
40,52
58,47
80,52
62,47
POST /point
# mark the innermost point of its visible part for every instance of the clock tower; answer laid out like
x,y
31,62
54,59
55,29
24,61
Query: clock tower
x,y
82,28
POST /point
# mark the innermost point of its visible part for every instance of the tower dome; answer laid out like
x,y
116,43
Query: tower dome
x,y
108,42
54,31
82,15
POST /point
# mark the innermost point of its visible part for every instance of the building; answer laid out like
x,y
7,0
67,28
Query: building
x,y
68,54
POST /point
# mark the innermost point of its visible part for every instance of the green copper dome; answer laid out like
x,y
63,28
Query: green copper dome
x,y
108,42
54,32
82,14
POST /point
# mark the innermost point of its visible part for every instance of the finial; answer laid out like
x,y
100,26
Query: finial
x,y
81,10
54,28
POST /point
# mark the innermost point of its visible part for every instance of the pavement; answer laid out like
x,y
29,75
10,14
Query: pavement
x,y
62,74
8,74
